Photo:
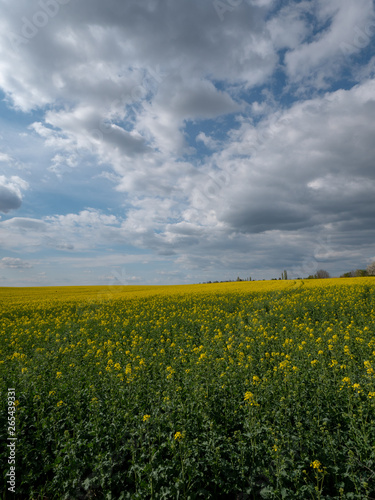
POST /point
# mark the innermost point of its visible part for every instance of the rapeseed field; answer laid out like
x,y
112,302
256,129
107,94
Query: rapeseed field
x,y
220,391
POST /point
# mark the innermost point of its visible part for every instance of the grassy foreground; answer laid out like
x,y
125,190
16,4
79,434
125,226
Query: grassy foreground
x,y
226,391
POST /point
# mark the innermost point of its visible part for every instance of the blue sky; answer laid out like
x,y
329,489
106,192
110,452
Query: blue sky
x,y
163,142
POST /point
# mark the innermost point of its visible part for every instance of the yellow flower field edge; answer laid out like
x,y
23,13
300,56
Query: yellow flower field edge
x,y
103,293
237,390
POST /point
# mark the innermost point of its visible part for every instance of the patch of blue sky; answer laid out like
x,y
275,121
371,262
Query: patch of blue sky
x,y
217,129
15,116
75,191
256,94
356,59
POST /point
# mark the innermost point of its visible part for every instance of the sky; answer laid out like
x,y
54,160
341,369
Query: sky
x,y
181,141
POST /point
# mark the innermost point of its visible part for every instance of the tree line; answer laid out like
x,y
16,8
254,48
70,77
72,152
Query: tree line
x,y
320,274
369,271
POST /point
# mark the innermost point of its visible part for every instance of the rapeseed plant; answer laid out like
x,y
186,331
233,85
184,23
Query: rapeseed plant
x,y
258,376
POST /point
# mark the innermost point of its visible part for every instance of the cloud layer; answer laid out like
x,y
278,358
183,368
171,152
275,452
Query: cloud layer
x,y
217,138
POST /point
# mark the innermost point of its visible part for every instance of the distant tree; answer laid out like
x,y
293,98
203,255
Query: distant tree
x,y
371,269
322,274
360,273
354,274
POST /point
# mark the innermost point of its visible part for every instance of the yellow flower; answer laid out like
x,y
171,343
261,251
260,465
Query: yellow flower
x,y
316,465
60,403
146,417
368,367
58,374
51,393
178,436
275,448
249,398
24,370
371,395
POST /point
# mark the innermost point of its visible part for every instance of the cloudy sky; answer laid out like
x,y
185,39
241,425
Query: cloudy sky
x,y
180,141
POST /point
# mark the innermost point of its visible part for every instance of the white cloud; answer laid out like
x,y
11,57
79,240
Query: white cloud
x,y
289,27
5,158
85,230
86,51
312,161
321,57
207,141
10,192
14,263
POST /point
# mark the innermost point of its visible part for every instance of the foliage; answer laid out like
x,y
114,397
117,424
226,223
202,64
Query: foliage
x,y
358,273
322,274
238,390
371,269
